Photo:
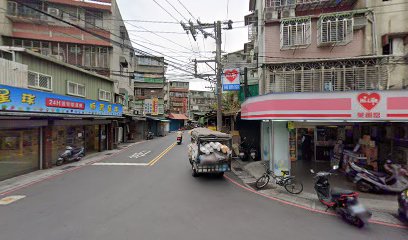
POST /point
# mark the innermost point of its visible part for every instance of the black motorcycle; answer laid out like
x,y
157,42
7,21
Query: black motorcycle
x,y
149,135
403,205
70,155
344,202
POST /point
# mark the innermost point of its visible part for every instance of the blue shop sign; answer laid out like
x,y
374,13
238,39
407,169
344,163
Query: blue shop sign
x,y
27,100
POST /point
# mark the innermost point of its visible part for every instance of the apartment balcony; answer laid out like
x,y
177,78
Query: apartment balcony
x,y
175,89
333,79
305,5
19,13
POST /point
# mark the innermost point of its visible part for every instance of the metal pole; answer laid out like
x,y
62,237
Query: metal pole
x,y
219,72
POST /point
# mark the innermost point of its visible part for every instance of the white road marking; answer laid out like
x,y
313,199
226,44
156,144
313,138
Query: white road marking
x,y
119,164
11,199
139,154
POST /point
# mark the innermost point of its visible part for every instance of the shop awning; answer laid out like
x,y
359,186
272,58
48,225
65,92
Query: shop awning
x,y
161,119
176,116
345,106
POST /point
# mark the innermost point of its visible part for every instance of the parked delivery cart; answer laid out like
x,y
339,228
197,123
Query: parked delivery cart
x,y
209,152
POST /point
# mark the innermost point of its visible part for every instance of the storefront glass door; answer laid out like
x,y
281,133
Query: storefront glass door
x,y
19,152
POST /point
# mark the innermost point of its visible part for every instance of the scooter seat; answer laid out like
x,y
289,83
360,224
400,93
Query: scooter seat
x,y
337,192
378,174
77,150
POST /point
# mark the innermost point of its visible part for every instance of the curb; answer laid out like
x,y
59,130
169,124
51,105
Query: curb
x,y
307,203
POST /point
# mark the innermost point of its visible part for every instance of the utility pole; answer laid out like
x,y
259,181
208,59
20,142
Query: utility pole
x,y
217,36
219,73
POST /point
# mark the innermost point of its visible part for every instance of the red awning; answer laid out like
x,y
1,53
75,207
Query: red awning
x,y
178,116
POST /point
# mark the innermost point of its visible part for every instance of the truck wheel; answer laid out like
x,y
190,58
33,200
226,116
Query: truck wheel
x,y
220,175
195,173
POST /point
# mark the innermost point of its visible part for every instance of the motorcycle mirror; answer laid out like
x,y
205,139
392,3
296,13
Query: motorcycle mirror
x,y
335,167
312,171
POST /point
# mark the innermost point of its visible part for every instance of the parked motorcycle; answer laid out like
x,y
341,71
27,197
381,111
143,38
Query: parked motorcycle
x,y
344,202
403,204
368,181
149,135
70,155
243,151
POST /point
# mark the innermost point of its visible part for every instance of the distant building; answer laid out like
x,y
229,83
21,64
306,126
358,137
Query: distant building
x,y
200,103
149,94
176,97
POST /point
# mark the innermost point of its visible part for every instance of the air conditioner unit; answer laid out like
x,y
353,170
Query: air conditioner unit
x,y
360,22
287,13
54,12
12,8
58,57
270,15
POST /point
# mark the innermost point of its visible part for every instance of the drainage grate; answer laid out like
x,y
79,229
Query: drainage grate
x,y
67,167
238,169
267,187
108,154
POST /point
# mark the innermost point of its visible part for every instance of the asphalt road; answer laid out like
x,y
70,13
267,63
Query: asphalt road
x,y
162,201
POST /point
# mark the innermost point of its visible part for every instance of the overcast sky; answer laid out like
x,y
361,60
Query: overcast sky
x,y
178,46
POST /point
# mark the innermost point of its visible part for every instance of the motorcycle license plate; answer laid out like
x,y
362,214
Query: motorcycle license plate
x,y
358,209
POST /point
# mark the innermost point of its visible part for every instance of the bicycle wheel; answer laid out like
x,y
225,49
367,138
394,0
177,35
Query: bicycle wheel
x,y
262,181
293,186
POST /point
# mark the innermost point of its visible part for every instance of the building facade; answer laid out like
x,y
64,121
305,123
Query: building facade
x,y
330,73
176,97
47,105
200,103
149,94
96,41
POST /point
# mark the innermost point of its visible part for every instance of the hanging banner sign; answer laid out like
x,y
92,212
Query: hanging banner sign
x,y
231,79
155,106
27,100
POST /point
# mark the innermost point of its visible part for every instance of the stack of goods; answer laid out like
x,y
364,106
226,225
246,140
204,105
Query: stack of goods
x,y
369,149
211,153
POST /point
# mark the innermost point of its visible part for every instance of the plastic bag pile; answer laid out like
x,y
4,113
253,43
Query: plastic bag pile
x,y
212,152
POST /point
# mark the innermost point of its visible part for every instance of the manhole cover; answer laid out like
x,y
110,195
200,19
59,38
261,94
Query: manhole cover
x,y
238,169
252,185
108,154
67,167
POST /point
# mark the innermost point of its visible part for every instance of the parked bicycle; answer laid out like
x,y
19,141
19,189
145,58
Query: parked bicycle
x,y
288,182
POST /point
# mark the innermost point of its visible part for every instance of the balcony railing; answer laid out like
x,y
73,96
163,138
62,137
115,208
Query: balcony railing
x,y
80,55
301,5
17,10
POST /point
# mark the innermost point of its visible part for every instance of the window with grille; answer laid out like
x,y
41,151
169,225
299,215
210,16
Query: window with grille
x,y
75,89
336,29
335,79
104,95
39,81
295,33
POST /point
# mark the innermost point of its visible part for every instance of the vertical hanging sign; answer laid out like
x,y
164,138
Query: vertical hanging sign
x,y
155,106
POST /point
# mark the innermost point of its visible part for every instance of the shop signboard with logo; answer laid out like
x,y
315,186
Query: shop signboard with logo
x,y
348,106
231,79
14,99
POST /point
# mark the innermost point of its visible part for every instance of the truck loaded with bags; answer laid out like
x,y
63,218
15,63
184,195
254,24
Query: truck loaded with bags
x,y
209,152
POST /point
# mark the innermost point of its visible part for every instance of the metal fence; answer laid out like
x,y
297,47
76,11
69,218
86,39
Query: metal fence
x,y
13,73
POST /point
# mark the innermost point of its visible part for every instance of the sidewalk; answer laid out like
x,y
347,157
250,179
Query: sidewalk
x,y
383,209
10,185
